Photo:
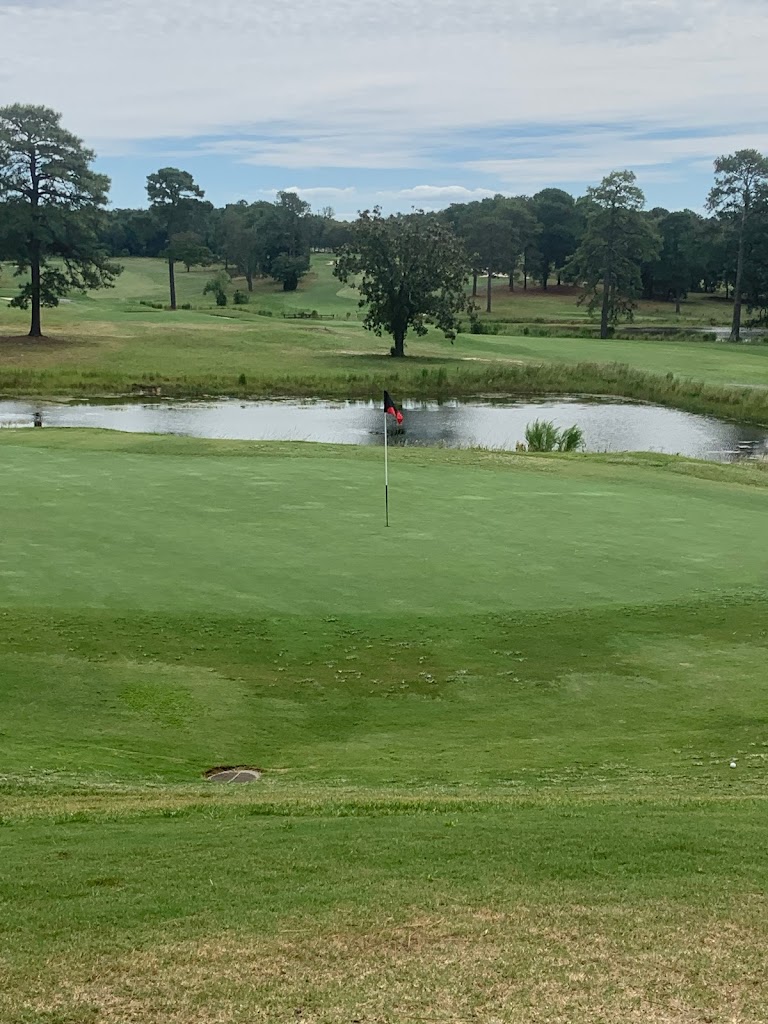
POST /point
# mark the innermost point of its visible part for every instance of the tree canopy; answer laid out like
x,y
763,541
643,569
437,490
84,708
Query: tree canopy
x,y
52,203
410,272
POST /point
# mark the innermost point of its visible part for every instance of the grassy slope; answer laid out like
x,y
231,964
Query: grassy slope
x,y
110,341
495,738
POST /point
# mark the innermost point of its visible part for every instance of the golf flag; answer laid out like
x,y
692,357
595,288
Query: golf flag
x,y
391,408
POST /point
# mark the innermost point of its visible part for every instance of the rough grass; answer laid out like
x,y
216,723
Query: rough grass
x,y
495,738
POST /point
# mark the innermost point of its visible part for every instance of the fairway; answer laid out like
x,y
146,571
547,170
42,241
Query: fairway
x,y
495,739
116,341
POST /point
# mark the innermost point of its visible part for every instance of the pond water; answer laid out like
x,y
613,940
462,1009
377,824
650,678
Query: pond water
x,y
607,425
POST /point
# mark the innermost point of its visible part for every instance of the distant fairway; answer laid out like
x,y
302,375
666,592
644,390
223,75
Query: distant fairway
x,y
115,341
495,739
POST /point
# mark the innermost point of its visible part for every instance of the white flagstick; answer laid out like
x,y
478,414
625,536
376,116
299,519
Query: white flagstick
x,y
386,472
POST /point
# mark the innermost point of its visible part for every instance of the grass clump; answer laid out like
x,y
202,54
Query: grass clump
x,y
544,436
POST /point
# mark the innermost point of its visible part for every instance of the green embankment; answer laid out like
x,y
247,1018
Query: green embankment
x,y
495,738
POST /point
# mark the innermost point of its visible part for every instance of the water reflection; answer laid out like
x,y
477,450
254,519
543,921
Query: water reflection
x,y
607,425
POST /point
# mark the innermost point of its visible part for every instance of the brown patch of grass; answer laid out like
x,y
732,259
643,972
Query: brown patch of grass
x,y
550,964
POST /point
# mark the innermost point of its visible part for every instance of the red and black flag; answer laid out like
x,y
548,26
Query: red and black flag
x,y
391,408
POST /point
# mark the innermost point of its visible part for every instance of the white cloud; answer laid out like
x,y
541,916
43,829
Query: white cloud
x,y
437,194
354,85
588,156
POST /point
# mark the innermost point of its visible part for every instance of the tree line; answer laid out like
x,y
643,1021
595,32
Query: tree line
x,y
410,269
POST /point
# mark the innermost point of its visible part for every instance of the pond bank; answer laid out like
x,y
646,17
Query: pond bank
x,y
607,426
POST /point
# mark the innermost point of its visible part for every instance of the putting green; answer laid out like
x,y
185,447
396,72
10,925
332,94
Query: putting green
x,y
303,533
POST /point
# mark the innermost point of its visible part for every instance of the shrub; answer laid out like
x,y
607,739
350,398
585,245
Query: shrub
x,y
541,436
571,438
218,286
240,298
544,436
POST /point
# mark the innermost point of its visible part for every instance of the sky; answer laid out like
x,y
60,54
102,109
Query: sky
x,y
397,103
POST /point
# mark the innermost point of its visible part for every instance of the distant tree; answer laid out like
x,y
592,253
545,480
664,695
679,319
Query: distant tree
x,y
132,233
756,280
462,218
53,202
410,272
555,210
616,241
187,247
679,260
217,286
286,240
740,192
173,196
239,240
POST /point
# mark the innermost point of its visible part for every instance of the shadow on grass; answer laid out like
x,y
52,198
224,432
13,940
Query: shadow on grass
x,y
379,360
24,342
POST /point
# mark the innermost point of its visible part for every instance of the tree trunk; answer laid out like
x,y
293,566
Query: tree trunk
x,y
35,329
677,301
559,279
249,280
545,276
172,282
525,280
398,349
605,309
511,281
488,292
474,284
736,322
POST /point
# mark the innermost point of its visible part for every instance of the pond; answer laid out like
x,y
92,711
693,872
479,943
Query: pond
x,y
608,425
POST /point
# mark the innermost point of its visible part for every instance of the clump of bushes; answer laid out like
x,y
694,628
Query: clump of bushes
x,y
544,436
240,298
218,287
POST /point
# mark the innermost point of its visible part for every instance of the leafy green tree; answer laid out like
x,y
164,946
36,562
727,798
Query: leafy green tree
x,y
132,233
174,197
187,247
740,192
616,241
555,211
53,203
410,272
239,240
461,218
756,280
679,261
218,286
286,240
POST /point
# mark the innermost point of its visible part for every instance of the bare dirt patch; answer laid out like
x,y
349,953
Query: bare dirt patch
x,y
233,773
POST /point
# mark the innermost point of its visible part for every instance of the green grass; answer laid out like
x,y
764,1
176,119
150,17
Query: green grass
x,y
109,343
495,738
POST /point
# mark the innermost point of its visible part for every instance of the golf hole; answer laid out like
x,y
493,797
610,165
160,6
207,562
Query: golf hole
x,y
233,773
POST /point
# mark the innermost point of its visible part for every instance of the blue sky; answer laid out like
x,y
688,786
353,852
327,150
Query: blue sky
x,y
353,103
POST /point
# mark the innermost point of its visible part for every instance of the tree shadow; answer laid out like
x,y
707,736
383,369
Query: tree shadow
x,y
380,359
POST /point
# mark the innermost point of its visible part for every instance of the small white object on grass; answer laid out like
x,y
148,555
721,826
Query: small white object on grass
x,y
733,764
